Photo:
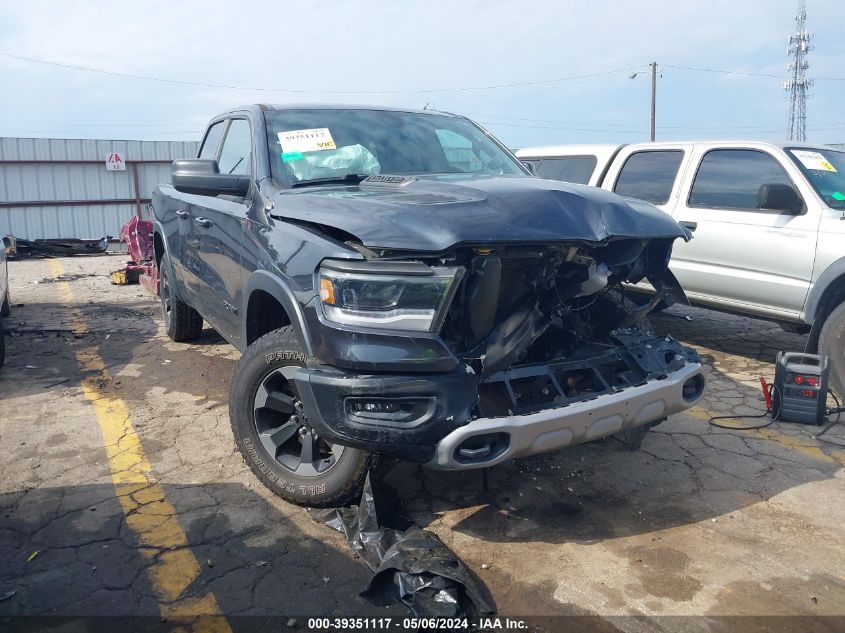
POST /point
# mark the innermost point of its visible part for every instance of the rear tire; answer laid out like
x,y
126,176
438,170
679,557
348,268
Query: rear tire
x,y
181,321
2,344
6,306
272,432
832,344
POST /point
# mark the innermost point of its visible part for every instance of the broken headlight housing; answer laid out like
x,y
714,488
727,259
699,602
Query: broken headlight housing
x,y
416,302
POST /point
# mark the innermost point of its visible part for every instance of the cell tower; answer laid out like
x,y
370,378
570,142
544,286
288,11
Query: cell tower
x,y
799,84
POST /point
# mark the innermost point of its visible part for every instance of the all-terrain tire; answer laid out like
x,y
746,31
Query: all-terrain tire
x,y
6,305
832,344
269,357
181,321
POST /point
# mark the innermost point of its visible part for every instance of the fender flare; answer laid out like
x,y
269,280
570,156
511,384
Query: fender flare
x,y
157,230
281,292
813,304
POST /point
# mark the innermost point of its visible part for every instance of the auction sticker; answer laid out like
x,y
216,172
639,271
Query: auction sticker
x,y
813,160
314,140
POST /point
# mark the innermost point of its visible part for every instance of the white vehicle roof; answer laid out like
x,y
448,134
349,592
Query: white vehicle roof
x,y
605,151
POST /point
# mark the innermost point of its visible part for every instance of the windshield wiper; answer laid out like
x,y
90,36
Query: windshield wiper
x,y
353,179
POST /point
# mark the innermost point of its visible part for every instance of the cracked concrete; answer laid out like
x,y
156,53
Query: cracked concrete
x,y
701,521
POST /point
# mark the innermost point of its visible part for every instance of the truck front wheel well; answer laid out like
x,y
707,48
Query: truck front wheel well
x,y
833,295
158,248
264,314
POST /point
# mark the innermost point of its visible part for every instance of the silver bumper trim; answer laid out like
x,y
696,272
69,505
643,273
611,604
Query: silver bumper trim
x,y
573,424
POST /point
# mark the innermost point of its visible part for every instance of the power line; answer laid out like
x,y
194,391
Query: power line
x,y
743,73
182,82
690,126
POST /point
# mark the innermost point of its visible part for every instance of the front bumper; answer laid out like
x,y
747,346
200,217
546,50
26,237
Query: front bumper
x,y
576,423
459,420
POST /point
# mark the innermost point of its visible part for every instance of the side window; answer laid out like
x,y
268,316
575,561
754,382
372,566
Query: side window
x,y
730,178
212,140
236,156
577,169
649,175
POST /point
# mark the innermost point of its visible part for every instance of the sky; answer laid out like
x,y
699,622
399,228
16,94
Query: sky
x,y
456,56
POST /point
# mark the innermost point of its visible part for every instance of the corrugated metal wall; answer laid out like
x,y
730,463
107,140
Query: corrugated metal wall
x,y
69,172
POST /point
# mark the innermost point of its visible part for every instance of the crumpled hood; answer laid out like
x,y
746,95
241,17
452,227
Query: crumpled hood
x,y
435,213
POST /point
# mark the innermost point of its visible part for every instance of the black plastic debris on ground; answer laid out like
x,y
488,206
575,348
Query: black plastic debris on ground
x,y
19,248
410,565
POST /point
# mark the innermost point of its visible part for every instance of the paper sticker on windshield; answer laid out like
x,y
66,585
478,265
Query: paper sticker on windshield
x,y
813,160
315,140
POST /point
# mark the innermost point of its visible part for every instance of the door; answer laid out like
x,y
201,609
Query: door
x,y
219,226
187,261
754,259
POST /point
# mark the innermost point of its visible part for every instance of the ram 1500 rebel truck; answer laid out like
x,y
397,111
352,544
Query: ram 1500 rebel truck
x,y
768,221
402,287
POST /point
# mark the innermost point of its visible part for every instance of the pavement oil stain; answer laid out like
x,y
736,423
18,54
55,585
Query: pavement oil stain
x,y
148,512
813,595
662,572
57,439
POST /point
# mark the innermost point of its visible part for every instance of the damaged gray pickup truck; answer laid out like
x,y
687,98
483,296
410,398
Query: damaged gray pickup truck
x,y
402,287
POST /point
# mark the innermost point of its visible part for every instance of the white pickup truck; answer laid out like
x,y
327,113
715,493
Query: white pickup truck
x,y
768,222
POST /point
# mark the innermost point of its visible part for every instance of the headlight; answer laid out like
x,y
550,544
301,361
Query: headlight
x,y
393,302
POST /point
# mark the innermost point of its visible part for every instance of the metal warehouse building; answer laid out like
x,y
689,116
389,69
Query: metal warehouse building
x,y
68,188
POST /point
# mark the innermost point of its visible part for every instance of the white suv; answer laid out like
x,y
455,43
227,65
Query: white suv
x,y
768,222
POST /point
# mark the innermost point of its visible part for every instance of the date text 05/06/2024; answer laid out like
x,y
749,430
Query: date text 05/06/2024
x,y
413,624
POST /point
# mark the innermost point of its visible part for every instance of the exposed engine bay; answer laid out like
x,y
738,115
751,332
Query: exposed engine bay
x,y
546,325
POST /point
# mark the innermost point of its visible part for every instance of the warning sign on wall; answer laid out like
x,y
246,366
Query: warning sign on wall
x,y
115,162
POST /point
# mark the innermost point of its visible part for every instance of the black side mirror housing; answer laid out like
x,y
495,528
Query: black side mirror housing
x,y
7,241
780,197
529,166
203,178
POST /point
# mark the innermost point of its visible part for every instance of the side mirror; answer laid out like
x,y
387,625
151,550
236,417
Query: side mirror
x,y
7,241
203,178
529,166
780,197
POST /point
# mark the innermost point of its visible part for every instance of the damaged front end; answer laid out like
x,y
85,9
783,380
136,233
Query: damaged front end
x,y
519,349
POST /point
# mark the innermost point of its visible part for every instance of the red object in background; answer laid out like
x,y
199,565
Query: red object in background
x,y
137,234
766,395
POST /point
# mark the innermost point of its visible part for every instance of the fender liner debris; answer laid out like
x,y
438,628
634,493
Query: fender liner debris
x,y
410,565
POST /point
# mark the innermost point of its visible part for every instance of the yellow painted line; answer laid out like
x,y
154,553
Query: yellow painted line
x,y
800,445
148,512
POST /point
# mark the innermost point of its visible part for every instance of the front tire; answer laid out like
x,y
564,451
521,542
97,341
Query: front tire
x,y
832,344
181,321
272,432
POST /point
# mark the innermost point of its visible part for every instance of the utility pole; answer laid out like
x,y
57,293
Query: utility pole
x,y
799,84
653,96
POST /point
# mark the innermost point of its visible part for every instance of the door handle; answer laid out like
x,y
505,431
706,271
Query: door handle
x,y
204,222
182,214
689,225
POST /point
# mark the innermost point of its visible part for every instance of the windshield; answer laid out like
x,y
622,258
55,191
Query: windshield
x,y
319,144
825,169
